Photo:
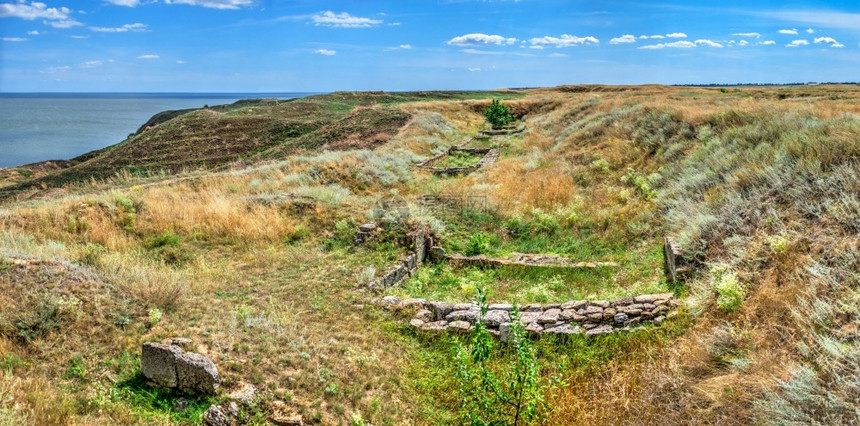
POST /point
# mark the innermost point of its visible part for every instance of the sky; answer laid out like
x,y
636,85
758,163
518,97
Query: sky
x,y
321,46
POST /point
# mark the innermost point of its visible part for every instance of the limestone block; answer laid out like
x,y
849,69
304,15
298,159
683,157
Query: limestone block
x,y
496,317
158,363
197,373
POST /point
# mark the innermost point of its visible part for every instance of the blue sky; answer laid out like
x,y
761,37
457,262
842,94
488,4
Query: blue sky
x,y
279,46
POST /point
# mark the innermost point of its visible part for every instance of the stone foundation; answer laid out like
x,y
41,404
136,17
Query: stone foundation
x,y
584,317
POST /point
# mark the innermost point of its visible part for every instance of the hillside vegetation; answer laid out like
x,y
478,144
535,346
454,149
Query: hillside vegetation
x,y
255,262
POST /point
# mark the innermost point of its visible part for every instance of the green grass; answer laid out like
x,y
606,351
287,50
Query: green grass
x,y
459,159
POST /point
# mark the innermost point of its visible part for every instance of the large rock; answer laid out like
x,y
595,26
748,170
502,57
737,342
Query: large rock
x,y
441,309
197,373
501,307
603,329
215,416
459,326
470,315
158,363
496,317
574,304
549,316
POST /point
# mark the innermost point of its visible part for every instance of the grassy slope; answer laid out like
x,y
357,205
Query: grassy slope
x,y
760,180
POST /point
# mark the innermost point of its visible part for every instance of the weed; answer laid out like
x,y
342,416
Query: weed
x,y
154,316
478,244
730,292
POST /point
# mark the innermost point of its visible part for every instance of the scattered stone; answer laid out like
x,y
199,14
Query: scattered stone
x,y
496,317
659,320
389,301
504,331
182,342
158,363
197,373
215,416
181,404
412,304
282,420
417,323
232,409
245,394
367,227
549,316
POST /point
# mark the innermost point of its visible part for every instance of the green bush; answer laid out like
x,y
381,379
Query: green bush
x,y
478,244
730,292
498,114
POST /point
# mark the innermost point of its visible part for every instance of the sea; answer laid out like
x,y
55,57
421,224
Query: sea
x,y
37,127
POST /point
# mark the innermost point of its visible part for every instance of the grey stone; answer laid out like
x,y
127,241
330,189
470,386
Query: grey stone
x,y
282,420
589,325
574,304
529,317
464,306
441,309
460,326
424,315
534,328
634,312
603,329
245,394
608,313
549,317
648,306
470,315
214,416
182,342
367,227
568,315
591,309
496,317
634,320
504,331
602,303
232,409
158,363
595,317
435,326
564,329
416,322
622,301
437,254
620,318
197,373
390,301
532,307
412,304
500,307
659,320
549,306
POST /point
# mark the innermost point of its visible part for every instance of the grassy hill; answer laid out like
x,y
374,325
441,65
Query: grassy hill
x,y
255,262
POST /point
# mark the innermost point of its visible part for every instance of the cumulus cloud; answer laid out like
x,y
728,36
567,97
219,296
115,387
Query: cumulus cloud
x,y
343,20
828,40
756,35
325,52
128,3
14,39
65,23
473,69
148,56
54,70
136,27
676,35
626,38
401,47
34,32
33,10
810,31
708,43
479,39
213,4
91,64
657,36
768,42
566,40
792,31
743,43
797,43
557,55
682,44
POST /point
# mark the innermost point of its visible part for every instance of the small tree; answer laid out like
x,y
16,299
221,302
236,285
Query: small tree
x,y
513,394
498,114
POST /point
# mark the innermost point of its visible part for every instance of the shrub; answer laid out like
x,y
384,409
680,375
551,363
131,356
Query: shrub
x,y
507,393
478,244
498,114
730,291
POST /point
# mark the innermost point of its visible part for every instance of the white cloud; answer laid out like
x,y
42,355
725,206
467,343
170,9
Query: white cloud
x,y
796,43
756,35
626,38
401,47
33,10
325,52
34,32
810,31
792,31
708,43
14,39
473,69
479,52
213,4
566,40
136,27
80,37
682,44
128,3
828,40
557,55
405,46
65,23
54,70
676,35
91,64
478,39
743,43
148,56
343,20
180,62
656,36
768,42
